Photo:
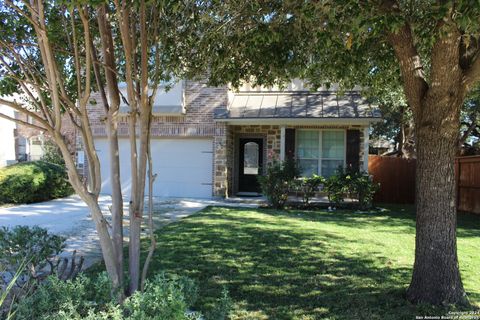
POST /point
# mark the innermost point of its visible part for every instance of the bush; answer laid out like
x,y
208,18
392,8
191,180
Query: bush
x,y
32,243
363,187
27,256
223,307
335,187
165,297
358,185
278,181
34,181
308,186
52,153
57,299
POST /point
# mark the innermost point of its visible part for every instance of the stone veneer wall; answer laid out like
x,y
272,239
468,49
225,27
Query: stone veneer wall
x,y
226,158
271,134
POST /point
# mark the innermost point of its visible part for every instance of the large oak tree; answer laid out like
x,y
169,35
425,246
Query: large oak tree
x,y
430,47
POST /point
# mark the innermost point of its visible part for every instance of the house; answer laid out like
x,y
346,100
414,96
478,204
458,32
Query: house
x,y
7,132
23,143
380,146
211,141
19,143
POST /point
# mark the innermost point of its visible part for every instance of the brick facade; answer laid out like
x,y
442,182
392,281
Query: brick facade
x,y
201,102
197,122
29,134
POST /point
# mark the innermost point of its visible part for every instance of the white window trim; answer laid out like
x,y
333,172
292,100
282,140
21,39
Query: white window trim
x,y
320,141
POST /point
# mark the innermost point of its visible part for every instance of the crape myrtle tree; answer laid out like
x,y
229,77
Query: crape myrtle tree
x,y
430,47
55,54
41,60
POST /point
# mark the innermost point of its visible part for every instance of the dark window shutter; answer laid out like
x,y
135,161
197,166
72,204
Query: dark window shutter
x,y
353,149
289,143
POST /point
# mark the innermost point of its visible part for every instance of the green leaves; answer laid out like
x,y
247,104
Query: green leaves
x,y
33,243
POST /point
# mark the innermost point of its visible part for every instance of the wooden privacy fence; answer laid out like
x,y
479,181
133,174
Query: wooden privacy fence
x,y
468,183
396,177
397,180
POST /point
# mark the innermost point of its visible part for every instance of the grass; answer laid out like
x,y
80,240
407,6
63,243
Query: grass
x,y
307,265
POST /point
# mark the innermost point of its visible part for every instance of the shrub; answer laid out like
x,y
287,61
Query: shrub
x,y
29,255
277,182
222,309
52,153
335,187
356,184
308,186
33,243
57,299
34,181
364,188
165,297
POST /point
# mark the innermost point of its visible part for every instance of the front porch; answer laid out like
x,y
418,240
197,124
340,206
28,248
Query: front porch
x,y
321,130
246,150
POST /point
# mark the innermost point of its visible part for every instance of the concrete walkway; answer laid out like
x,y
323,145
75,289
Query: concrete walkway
x,y
71,218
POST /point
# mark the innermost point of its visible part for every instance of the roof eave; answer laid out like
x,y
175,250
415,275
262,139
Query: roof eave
x,y
300,121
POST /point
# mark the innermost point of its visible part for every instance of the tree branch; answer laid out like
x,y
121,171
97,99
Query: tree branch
x,y
25,123
472,75
24,110
415,85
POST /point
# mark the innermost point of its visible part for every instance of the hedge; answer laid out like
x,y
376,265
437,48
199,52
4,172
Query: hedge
x,y
33,181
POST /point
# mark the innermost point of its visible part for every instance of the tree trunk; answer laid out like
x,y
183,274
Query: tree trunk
x,y
436,276
117,199
111,108
136,216
91,199
408,140
106,245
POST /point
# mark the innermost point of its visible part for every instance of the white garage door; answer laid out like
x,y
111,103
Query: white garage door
x,y
183,167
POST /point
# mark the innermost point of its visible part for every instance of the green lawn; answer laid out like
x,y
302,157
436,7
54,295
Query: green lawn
x,y
307,265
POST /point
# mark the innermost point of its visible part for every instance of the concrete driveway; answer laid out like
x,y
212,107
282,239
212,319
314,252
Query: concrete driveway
x,y
71,218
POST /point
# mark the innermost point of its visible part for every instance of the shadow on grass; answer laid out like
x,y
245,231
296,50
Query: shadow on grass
x,y
277,268
297,264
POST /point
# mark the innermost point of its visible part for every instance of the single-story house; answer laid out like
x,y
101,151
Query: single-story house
x,y
214,142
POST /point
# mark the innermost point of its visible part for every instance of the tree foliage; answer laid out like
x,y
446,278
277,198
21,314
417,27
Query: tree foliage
x,y
429,49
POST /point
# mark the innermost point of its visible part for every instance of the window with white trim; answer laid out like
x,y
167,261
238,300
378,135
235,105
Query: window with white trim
x,y
320,151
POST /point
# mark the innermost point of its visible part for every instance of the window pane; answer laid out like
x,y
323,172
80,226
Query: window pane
x,y
250,156
307,144
308,167
329,167
333,145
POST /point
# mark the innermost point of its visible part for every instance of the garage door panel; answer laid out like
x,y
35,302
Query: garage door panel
x,y
183,167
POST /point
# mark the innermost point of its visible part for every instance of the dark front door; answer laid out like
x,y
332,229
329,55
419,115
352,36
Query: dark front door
x,y
250,164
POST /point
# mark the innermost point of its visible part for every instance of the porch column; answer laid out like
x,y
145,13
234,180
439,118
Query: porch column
x,y
282,143
366,135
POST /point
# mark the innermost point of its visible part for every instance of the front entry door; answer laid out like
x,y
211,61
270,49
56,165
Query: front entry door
x,y
250,164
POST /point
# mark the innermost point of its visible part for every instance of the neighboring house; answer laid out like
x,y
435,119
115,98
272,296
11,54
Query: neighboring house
x,y
23,143
19,143
210,141
381,146
7,132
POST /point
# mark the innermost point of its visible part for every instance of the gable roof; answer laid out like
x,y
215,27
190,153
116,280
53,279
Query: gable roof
x,y
298,105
